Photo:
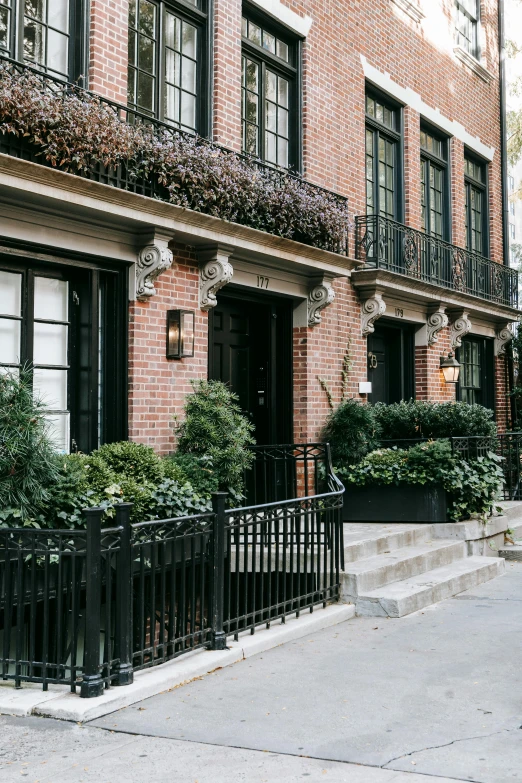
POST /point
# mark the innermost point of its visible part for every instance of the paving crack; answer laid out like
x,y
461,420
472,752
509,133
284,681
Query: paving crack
x,y
444,745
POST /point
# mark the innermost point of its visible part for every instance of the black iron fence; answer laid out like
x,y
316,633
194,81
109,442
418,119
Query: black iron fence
x,y
507,445
120,177
385,244
87,608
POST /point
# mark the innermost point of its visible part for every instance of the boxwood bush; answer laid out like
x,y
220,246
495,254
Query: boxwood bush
x,y
419,419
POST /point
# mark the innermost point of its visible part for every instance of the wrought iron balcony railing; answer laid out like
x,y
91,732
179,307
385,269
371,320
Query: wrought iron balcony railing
x,y
385,244
328,221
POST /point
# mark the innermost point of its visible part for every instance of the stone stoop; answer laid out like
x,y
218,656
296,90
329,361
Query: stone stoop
x,y
394,574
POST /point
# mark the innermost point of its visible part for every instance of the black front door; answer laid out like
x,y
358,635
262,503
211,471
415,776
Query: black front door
x,y
250,349
390,363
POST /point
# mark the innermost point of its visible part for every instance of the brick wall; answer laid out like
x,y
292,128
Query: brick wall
x,y
429,380
503,402
108,48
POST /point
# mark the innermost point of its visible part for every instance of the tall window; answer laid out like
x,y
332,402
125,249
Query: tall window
x,y
466,25
269,108
68,326
434,184
167,62
382,158
47,34
475,178
476,373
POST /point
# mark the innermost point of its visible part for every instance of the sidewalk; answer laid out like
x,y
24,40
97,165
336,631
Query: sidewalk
x,y
433,696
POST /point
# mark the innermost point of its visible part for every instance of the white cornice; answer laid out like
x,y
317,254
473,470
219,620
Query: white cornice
x,y
298,24
409,97
472,63
410,8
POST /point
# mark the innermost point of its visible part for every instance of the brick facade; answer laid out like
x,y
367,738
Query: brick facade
x,y
342,35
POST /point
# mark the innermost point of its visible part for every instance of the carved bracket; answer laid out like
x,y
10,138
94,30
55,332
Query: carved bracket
x,y
319,297
372,308
215,272
460,326
437,320
153,259
503,336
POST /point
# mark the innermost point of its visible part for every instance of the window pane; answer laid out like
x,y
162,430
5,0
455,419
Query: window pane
x,y
282,122
282,50
188,110
10,293
50,344
271,116
51,298
59,15
172,103
251,107
252,73
269,42
147,24
146,92
131,47
36,9
9,341
51,386
282,92
173,32
188,75
271,86
59,431
271,147
5,28
189,40
34,42
57,47
251,139
282,152
254,33
146,54
132,13
172,67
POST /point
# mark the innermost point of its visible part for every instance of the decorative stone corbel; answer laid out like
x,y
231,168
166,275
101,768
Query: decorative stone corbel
x,y
460,326
153,259
436,321
319,297
372,308
503,336
215,271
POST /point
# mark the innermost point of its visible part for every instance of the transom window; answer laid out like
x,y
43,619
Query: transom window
x,y
382,158
476,373
434,174
475,178
270,125
466,25
167,59
67,325
46,34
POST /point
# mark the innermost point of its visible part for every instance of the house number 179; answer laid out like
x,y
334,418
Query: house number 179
x,y
262,282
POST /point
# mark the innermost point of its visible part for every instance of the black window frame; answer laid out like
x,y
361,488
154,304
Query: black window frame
x,y
102,283
395,135
292,71
474,19
199,16
441,162
482,185
486,390
77,65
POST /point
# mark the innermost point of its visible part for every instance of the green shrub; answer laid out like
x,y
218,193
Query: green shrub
x,y
198,469
473,486
352,431
133,460
215,427
418,419
28,467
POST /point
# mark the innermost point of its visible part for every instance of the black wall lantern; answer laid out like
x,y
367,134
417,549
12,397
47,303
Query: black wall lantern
x,y
450,368
180,334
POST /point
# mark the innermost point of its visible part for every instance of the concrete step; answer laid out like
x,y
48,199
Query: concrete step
x,y
373,572
371,540
511,552
417,592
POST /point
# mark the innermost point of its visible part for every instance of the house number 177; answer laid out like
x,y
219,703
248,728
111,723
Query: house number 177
x,y
262,282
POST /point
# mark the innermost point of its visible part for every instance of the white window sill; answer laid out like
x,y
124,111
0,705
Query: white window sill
x,y
473,64
411,8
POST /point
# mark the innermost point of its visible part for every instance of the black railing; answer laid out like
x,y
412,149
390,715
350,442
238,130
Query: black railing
x,y
385,244
87,608
119,176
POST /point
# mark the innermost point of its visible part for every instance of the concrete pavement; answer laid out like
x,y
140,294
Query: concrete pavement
x,y
433,696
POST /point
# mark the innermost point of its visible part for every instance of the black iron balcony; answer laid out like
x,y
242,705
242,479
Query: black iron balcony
x,y
385,244
200,175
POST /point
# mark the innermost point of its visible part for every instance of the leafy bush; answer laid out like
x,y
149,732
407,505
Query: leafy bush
x,y
75,131
351,431
216,429
28,467
133,460
473,486
418,419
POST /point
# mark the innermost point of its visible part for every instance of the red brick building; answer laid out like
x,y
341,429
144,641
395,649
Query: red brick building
x,y
392,104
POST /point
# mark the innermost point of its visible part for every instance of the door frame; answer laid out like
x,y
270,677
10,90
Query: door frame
x,y
277,364
407,356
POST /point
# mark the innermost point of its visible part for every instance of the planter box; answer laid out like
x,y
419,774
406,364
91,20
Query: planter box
x,y
390,503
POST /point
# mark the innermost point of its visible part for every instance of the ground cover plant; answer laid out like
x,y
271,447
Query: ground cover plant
x,y
75,132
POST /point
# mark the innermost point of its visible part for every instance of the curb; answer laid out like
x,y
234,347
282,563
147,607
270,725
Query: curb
x,y
59,703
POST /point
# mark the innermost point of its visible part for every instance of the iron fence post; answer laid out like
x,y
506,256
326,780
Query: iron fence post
x,y
219,639
92,682
125,673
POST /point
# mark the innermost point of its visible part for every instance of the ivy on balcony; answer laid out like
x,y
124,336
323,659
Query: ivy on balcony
x,y
63,126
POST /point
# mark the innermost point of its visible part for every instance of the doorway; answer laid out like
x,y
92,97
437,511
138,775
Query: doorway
x,y
250,349
391,363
